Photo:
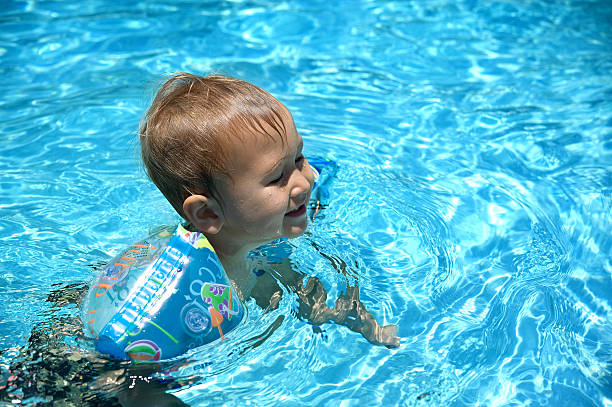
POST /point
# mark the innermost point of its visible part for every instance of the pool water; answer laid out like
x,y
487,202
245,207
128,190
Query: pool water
x,y
472,203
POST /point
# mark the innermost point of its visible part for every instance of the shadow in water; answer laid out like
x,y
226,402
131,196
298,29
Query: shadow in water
x,y
56,366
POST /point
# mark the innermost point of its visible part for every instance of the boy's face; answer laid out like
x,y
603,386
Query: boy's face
x,y
269,189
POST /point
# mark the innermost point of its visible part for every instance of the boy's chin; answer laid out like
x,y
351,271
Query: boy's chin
x,y
295,231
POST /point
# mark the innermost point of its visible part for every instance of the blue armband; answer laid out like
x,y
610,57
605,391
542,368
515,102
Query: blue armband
x,y
161,297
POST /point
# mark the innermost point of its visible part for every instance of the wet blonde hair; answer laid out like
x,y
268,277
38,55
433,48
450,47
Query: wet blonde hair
x,y
184,135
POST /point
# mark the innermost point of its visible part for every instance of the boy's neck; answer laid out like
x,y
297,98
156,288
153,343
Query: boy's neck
x,y
236,265
227,251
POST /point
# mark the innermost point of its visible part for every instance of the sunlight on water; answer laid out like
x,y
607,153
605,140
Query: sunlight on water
x,y
471,205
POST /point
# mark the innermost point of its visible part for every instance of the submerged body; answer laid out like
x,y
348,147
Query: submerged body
x,y
170,293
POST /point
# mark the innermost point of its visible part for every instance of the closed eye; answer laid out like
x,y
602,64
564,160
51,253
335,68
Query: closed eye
x,y
298,162
277,180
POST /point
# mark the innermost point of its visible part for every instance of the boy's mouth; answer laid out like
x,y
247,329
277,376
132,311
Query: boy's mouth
x,y
299,211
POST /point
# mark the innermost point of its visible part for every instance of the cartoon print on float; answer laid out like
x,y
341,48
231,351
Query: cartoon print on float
x,y
199,318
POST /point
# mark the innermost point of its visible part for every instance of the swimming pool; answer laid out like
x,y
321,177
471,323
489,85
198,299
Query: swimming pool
x,y
472,202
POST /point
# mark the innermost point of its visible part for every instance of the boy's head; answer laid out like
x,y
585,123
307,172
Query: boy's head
x,y
186,132
227,156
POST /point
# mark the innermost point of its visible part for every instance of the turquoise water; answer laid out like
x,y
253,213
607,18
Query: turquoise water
x,y
472,202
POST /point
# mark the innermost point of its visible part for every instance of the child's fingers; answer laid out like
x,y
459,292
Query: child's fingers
x,y
390,338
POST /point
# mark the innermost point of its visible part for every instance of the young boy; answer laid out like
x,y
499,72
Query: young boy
x,y
227,156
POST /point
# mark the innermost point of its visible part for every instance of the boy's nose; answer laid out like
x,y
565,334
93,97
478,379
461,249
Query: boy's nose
x,y
301,186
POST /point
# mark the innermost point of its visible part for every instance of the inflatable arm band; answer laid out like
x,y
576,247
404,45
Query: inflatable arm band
x,y
161,297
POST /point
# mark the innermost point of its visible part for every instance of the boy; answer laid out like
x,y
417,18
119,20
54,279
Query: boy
x,y
228,158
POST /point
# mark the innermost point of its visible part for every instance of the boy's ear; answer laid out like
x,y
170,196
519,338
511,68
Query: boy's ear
x,y
204,213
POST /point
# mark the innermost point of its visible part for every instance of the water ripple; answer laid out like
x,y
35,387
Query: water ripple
x,y
472,204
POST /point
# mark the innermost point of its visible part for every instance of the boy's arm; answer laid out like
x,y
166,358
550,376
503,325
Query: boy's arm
x,y
348,309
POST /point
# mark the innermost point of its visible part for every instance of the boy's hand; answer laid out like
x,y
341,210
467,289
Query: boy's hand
x,y
357,318
389,336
